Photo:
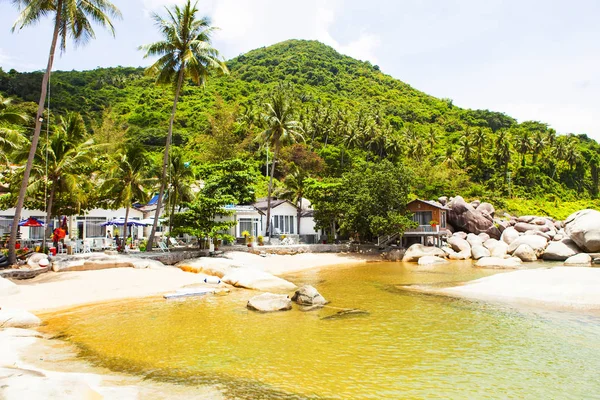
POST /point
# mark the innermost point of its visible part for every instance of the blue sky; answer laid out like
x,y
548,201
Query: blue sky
x,y
532,59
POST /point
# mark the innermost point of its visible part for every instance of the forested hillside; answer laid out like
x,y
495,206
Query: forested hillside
x,y
352,115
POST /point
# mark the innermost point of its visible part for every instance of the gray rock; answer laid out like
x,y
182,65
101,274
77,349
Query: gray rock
x,y
443,200
34,260
537,243
559,225
583,259
461,247
416,251
526,218
308,295
461,235
478,251
583,227
524,227
465,217
355,312
525,253
484,237
14,318
432,260
495,262
500,250
487,207
269,302
251,278
560,251
474,239
509,235
475,203
545,235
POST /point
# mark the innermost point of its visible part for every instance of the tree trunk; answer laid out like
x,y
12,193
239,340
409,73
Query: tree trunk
x,y
165,163
299,214
172,209
268,225
48,216
12,259
124,241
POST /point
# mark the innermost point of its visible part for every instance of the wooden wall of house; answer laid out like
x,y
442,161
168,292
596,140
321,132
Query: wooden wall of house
x,y
419,206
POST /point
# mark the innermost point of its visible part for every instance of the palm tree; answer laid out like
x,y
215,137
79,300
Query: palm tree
x,y
523,145
10,139
72,18
503,151
479,140
281,129
432,139
61,165
180,178
294,184
466,149
184,52
539,143
127,180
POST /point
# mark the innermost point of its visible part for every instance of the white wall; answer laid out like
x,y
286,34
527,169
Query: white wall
x,y
308,226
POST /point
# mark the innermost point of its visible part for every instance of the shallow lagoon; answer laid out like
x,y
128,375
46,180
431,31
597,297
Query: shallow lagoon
x,y
410,345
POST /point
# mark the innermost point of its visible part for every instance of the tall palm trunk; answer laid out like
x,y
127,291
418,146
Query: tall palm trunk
x,y
165,162
12,259
48,215
172,209
299,213
268,227
125,227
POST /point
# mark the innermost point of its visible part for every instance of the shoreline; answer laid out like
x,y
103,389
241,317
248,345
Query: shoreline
x,y
28,358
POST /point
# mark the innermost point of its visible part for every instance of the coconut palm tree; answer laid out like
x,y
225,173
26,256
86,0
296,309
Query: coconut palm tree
x,y
181,177
184,52
10,139
479,140
127,180
465,149
73,19
294,186
538,145
281,129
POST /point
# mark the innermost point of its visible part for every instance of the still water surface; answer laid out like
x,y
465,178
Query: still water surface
x,y
409,346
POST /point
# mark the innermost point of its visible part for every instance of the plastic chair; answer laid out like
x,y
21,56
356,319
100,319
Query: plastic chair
x,y
163,247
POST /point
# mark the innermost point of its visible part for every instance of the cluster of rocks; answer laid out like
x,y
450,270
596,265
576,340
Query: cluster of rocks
x,y
477,233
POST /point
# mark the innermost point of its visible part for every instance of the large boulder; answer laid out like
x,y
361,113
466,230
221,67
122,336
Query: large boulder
x,y
488,208
460,234
509,235
215,266
432,260
474,239
251,278
560,251
524,227
464,216
7,287
461,247
478,251
582,259
495,262
269,302
537,243
525,253
14,318
308,295
584,228
416,251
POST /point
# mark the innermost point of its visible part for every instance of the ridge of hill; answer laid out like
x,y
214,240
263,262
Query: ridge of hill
x,y
351,112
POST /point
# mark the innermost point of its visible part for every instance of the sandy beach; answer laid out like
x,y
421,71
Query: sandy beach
x,y
28,361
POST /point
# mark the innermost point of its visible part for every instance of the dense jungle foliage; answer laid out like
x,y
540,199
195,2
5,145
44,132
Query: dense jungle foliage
x,y
353,117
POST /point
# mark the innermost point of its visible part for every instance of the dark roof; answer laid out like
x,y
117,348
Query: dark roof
x,y
429,202
261,204
307,213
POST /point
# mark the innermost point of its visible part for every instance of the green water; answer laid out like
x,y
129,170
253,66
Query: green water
x,y
409,346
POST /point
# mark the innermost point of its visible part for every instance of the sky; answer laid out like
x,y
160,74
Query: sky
x,y
531,59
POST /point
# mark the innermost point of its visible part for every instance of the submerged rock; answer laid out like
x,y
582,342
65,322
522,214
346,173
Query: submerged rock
x,y
251,278
432,260
495,262
270,302
355,312
308,295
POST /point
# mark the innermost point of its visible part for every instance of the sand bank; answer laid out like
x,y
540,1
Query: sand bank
x,y
561,287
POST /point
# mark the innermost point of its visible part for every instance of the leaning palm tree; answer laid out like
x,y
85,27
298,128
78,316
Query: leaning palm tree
x,y
184,52
72,18
128,180
281,129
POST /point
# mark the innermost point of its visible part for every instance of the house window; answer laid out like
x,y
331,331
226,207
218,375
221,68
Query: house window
x,y
283,224
93,228
5,224
443,221
245,225
423,217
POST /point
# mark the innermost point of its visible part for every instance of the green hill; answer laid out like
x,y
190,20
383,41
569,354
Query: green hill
x,y
352,113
